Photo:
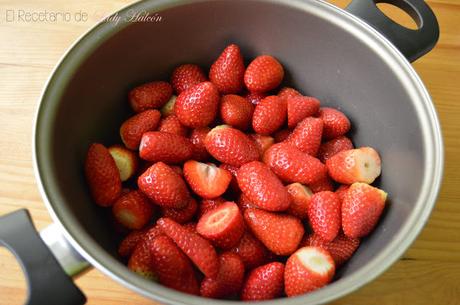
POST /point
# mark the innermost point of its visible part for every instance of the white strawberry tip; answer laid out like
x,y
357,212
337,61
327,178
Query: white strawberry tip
x,y
369,164
315,260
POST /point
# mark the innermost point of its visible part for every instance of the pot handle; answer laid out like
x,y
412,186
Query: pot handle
x,y
412,43
47,281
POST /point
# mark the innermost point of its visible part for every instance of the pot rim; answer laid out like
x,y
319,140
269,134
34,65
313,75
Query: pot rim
x,y
434,161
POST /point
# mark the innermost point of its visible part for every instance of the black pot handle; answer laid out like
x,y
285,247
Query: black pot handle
x,y
412,43
48,283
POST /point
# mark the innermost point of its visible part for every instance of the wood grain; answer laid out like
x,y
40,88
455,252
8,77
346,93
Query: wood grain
x,y
429,272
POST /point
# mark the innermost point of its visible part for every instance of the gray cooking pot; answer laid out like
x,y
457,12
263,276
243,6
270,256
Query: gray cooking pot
x,y
327,53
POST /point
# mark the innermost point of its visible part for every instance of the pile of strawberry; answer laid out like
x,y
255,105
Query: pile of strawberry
x,y
236,195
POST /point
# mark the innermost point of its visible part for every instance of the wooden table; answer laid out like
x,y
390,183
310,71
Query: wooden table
x,y
429,272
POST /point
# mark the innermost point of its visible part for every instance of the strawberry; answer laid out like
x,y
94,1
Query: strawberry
x,y
190,226
252,252
133,210
102,175
334,146
223,225
141,263
264,283
129,243
269,115
262,187
307,136
300,200
255,97
262,142
292,165
341,191
287,92
198,249
172,124
126,161
281,135
181,215
336,124
227,71
197,106
197,138
164,186
244,202
233,187
263,74
206,180
207,205
280,233
308,269
324,214
228,281
355,165
341,248
236,111
186,76
231,146
362,207
324,184
131,130
159,146
177,169
168,108
299,108
172,266
149,96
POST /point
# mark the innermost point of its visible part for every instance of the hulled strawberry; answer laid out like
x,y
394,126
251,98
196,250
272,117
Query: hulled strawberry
x,y
262,142
133,210
186,76
355,165
362,207
172,124
269,115
227,72
149,96
181,215
141,263
197,138
131,130
264,283
126,161
159,146
263,74
206,180
288,92
300,200
197,106
334,146
324,214
280,233
336,124
299,108
102,175
255,97
341,248
236,111
231,146
207,205
307,136
252,252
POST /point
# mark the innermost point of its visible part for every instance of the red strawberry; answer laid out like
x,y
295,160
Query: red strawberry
x,y
150,95
231,146
362,207
255,97
280,233
172,124
264,283
133,210
164,186
234,188
102,175
287,92
223,225
198,249
299,108
227,71
244,202
269,115
177,169
324,214
341,248
300,200
355,165
141,261
308,269
207,205
197,106
206,180
262,187
307,136
252,252
166,147
181,215
292,165
325,184
228,281
262,142
190,226
336,124
197,138
172,266
131,130
186,76
281,135
334,146
236,111
263,74
168,108
129,243
341,191
126,161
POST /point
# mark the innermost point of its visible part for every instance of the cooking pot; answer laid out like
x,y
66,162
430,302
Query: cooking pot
x,y
355,59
